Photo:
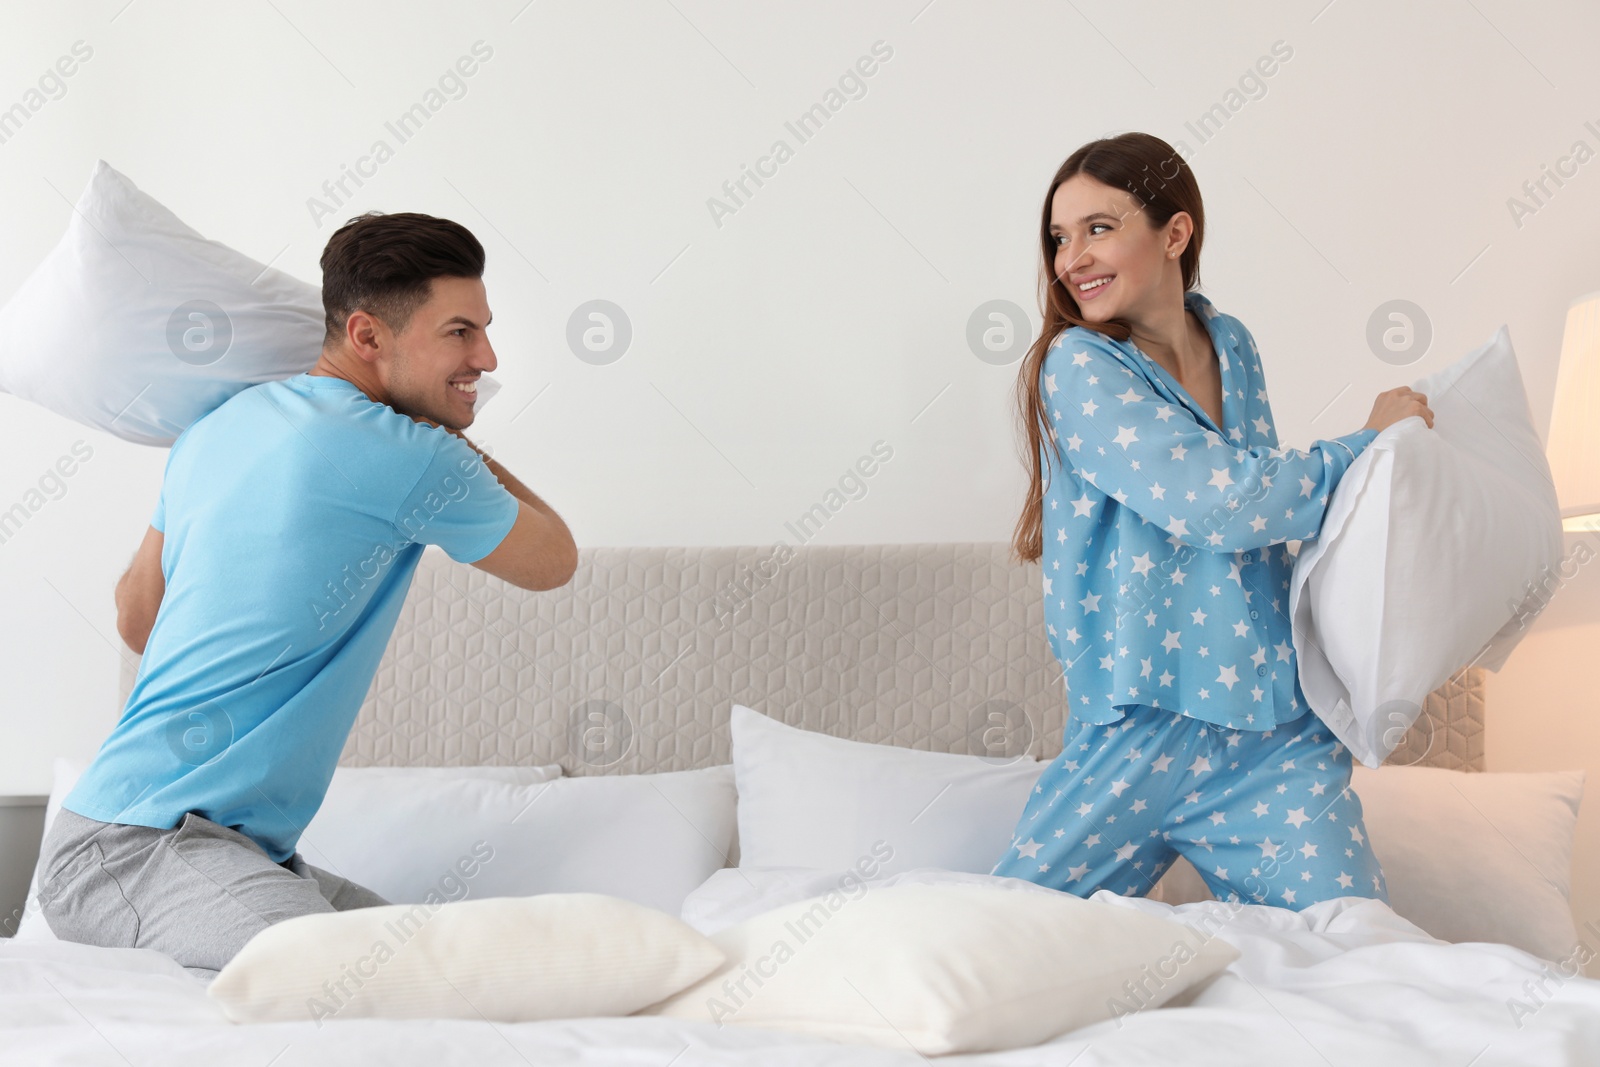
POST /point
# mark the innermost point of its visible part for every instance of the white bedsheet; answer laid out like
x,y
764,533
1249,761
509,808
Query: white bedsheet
x,y
1342,982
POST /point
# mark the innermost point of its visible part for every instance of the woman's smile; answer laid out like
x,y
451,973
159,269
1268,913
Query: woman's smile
x,y
1089,286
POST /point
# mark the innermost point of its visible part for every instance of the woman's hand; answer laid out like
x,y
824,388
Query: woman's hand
x,y
1397,404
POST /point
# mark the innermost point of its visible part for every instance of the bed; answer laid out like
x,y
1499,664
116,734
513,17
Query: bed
x,y
632,669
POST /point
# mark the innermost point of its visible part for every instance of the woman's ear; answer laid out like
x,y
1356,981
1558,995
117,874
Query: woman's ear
x,y
1179,229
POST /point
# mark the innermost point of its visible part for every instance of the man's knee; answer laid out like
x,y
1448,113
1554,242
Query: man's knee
x,y
207,891
340,893
82,902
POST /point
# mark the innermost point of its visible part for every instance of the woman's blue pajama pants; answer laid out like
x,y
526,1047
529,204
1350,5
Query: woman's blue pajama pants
x,y
1266,817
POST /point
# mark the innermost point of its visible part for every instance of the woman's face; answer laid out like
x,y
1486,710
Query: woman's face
x,y
1105,241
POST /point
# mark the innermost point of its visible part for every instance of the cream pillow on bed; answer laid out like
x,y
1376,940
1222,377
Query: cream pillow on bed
x,y
505,959
938,969
1432,540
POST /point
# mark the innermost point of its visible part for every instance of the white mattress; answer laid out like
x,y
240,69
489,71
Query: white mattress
x,y
1343,982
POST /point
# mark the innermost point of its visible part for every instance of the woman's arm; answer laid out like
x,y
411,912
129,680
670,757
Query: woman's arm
x,y
1120,435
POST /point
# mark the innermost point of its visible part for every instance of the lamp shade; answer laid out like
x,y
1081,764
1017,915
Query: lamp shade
x,y
1574,447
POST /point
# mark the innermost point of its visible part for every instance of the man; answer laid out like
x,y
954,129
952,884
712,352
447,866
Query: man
x,y
288,529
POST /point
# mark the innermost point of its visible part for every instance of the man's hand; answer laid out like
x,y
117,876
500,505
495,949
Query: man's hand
x,y
539,552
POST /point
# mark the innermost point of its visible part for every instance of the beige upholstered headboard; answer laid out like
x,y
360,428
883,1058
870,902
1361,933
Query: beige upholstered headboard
x,y
633,665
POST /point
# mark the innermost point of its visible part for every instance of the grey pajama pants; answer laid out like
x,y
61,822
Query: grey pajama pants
x,y
196,892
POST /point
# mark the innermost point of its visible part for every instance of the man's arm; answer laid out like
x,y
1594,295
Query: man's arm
x,y
140,591
539,552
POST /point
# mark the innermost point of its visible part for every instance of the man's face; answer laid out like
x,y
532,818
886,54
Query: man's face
x,y
442,348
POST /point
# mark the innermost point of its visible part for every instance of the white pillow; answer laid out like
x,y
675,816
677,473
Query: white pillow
x,y
1432,540
346,780
1467,857
648,838
1477,857
356,777
509,959
810,800
137,325
941,969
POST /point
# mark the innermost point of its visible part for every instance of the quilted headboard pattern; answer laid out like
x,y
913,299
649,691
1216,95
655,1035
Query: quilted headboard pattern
x,y
633,665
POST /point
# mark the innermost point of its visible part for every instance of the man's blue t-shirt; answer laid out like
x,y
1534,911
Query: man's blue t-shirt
x,y
293,518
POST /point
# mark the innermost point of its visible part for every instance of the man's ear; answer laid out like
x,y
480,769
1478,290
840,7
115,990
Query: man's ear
x,y
366,336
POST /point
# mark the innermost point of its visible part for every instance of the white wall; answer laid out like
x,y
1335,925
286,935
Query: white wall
x,y
830,310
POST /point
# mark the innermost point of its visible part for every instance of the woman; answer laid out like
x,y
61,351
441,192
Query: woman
x,y
1159,507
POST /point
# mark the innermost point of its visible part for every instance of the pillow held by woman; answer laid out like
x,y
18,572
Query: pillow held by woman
x,y
1433,555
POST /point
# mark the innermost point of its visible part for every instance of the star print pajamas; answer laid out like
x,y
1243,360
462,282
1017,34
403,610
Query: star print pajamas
x,y
1265,816
1166,561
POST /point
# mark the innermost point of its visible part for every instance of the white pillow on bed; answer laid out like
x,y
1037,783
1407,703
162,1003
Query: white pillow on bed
x,y
1467,856
1477,857
347,782
939,969
1432,539
137,325
810,800
509,959
348,778
648,838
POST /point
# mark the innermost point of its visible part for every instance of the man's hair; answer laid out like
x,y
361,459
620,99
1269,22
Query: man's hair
x,y
385,265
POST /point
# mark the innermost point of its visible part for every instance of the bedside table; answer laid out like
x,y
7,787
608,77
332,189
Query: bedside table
x,y
21,828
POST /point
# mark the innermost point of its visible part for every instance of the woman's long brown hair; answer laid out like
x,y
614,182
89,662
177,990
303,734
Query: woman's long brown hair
x,y
1156,176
